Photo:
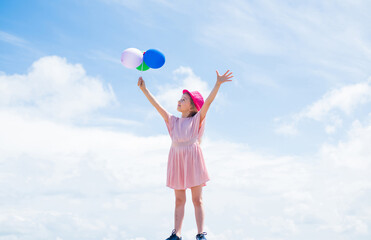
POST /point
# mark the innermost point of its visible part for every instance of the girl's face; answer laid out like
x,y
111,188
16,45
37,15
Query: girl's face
x,y
184,104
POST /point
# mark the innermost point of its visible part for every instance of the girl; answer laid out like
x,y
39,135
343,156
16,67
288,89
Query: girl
x,y
186,167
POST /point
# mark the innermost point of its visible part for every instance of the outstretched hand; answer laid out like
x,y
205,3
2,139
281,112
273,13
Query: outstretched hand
x,y
223,78
141,84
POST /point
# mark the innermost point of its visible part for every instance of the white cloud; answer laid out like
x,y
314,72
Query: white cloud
x,y
330,108
345,99
274,28
65,147
59,181
326,42
18,42
56,89
75,182
12,39
288,129
326,191
354,153
94,183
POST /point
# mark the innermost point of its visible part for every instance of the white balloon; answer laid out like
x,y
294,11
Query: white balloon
x,y
131,58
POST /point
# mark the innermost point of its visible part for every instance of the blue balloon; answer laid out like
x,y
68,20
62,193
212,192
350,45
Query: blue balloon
x,y
154,58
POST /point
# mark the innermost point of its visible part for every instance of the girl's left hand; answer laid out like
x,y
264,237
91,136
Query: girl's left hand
x,y
224,78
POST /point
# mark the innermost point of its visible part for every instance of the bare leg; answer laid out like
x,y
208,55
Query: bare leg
x,y
180,200
199,210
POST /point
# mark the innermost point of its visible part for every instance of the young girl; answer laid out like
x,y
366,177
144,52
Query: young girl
x,y
186,167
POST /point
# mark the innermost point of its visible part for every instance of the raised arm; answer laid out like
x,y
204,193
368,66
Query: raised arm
x,y
152,100
219,80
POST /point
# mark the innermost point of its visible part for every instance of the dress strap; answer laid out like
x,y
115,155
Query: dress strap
x,y
186,143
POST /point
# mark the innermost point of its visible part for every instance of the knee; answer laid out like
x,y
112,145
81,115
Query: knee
x,y
197,201
180,201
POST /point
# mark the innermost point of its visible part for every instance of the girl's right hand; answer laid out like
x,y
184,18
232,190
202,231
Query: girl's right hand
x,y
141,84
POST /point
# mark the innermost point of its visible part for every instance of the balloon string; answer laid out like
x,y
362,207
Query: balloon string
x,y
142,64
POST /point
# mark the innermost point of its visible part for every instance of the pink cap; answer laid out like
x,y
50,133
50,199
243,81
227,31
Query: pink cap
x,y
196,97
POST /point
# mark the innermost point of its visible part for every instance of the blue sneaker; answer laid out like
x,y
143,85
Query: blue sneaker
x,y
201,236
174,236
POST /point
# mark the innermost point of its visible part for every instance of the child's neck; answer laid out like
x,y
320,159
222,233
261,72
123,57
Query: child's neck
x,y
185,114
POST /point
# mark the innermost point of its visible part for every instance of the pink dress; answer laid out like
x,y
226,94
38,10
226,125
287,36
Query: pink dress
x,y
186,166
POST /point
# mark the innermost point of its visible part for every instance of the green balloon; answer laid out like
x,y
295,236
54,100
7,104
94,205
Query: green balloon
x,y
144,66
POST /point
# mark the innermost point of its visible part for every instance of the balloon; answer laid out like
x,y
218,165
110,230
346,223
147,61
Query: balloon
x,y
131,57
143,67
154,58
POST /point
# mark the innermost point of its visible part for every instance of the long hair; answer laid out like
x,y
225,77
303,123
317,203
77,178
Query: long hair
x,y
191,114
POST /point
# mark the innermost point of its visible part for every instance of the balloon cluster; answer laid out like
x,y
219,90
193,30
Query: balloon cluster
x,y
134,58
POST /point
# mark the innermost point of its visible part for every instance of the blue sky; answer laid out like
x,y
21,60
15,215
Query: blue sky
x,y
288,138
